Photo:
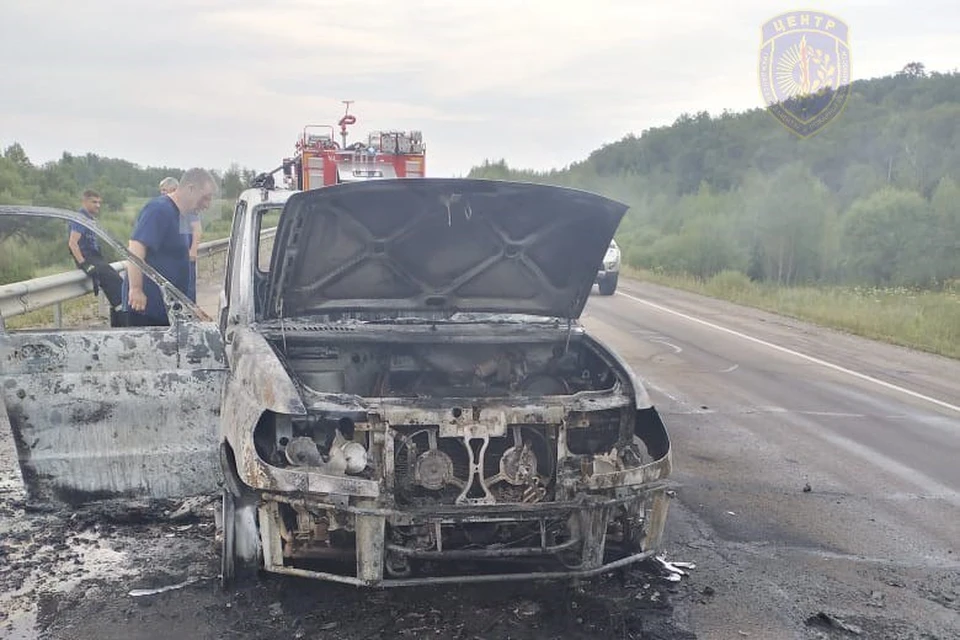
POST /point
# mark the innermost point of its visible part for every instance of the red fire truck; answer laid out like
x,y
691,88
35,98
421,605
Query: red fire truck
x,y
321,161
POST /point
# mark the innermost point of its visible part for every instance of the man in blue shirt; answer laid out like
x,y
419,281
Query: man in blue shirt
x,y
156,239
190,230
87,255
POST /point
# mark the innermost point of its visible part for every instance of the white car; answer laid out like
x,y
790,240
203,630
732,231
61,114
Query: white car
x,y
609,271
398,392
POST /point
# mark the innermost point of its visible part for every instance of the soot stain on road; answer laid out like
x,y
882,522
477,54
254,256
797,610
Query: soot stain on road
x,y
83,573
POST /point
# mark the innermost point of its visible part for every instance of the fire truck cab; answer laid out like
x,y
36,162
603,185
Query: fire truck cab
x,y
321,161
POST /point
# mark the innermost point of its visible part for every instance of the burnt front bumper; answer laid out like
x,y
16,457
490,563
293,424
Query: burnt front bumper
x,y
463,543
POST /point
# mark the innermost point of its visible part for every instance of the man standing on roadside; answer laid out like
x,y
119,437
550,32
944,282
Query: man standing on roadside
x,y
86,254
168,185
156,240
190,230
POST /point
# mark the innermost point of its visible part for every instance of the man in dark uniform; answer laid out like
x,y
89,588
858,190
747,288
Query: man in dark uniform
x,y
86,254
156,239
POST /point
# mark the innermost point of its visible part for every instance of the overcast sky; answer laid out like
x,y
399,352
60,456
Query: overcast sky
x,y
539,83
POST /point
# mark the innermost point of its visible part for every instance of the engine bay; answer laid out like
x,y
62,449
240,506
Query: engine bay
x,y
445,370
430,463
459,425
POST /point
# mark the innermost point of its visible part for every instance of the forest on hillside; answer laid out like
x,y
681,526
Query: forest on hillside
x,y
122,185
873,198
60,183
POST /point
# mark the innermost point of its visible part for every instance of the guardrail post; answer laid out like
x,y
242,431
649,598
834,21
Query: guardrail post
x,y
58,316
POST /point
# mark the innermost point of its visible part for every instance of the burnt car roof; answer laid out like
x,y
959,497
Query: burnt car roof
x,y
439,244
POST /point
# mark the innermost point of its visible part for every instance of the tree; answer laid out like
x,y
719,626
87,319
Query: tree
x,y
232,183
112,196
887,237
914,70
709,246
15,154
789,211
945,208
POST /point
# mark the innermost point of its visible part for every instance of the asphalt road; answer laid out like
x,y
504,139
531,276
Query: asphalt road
x,y
761,408
816,472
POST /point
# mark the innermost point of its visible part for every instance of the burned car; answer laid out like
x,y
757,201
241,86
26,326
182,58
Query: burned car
x,y
398,392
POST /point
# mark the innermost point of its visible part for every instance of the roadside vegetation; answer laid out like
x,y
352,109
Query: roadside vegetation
x,y
918,319
125,187
856,228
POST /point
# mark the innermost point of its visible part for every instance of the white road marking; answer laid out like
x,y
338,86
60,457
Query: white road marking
x,y
663,391
796,354
774,551
729,369
837,414
929,485
675,348
748,411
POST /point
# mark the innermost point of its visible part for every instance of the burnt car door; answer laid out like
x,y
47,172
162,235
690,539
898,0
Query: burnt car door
x,y
124,412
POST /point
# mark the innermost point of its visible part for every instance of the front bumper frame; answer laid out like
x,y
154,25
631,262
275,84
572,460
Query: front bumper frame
x,y
594,513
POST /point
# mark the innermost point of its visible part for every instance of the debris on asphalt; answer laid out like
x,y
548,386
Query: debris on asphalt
x,y
675,570
137,593
827,621
192,509
706,594
876,599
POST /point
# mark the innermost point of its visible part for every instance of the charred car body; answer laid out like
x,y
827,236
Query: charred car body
x,y
405,395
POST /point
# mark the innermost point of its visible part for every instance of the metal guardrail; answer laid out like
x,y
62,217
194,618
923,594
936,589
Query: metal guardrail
x,y
25,296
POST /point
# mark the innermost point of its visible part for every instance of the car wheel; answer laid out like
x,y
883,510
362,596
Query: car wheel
x,y
608,285
239,552
228,544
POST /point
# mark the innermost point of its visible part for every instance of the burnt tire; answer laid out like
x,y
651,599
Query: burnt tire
x,y
235,499
228,544
609,285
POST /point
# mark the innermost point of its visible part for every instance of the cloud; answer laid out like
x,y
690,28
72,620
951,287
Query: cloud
x,y
540,82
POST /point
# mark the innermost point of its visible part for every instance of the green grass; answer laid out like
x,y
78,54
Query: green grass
x,y
77,312
923,320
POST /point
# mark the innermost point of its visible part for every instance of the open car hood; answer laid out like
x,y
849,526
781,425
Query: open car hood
x,y
439,244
